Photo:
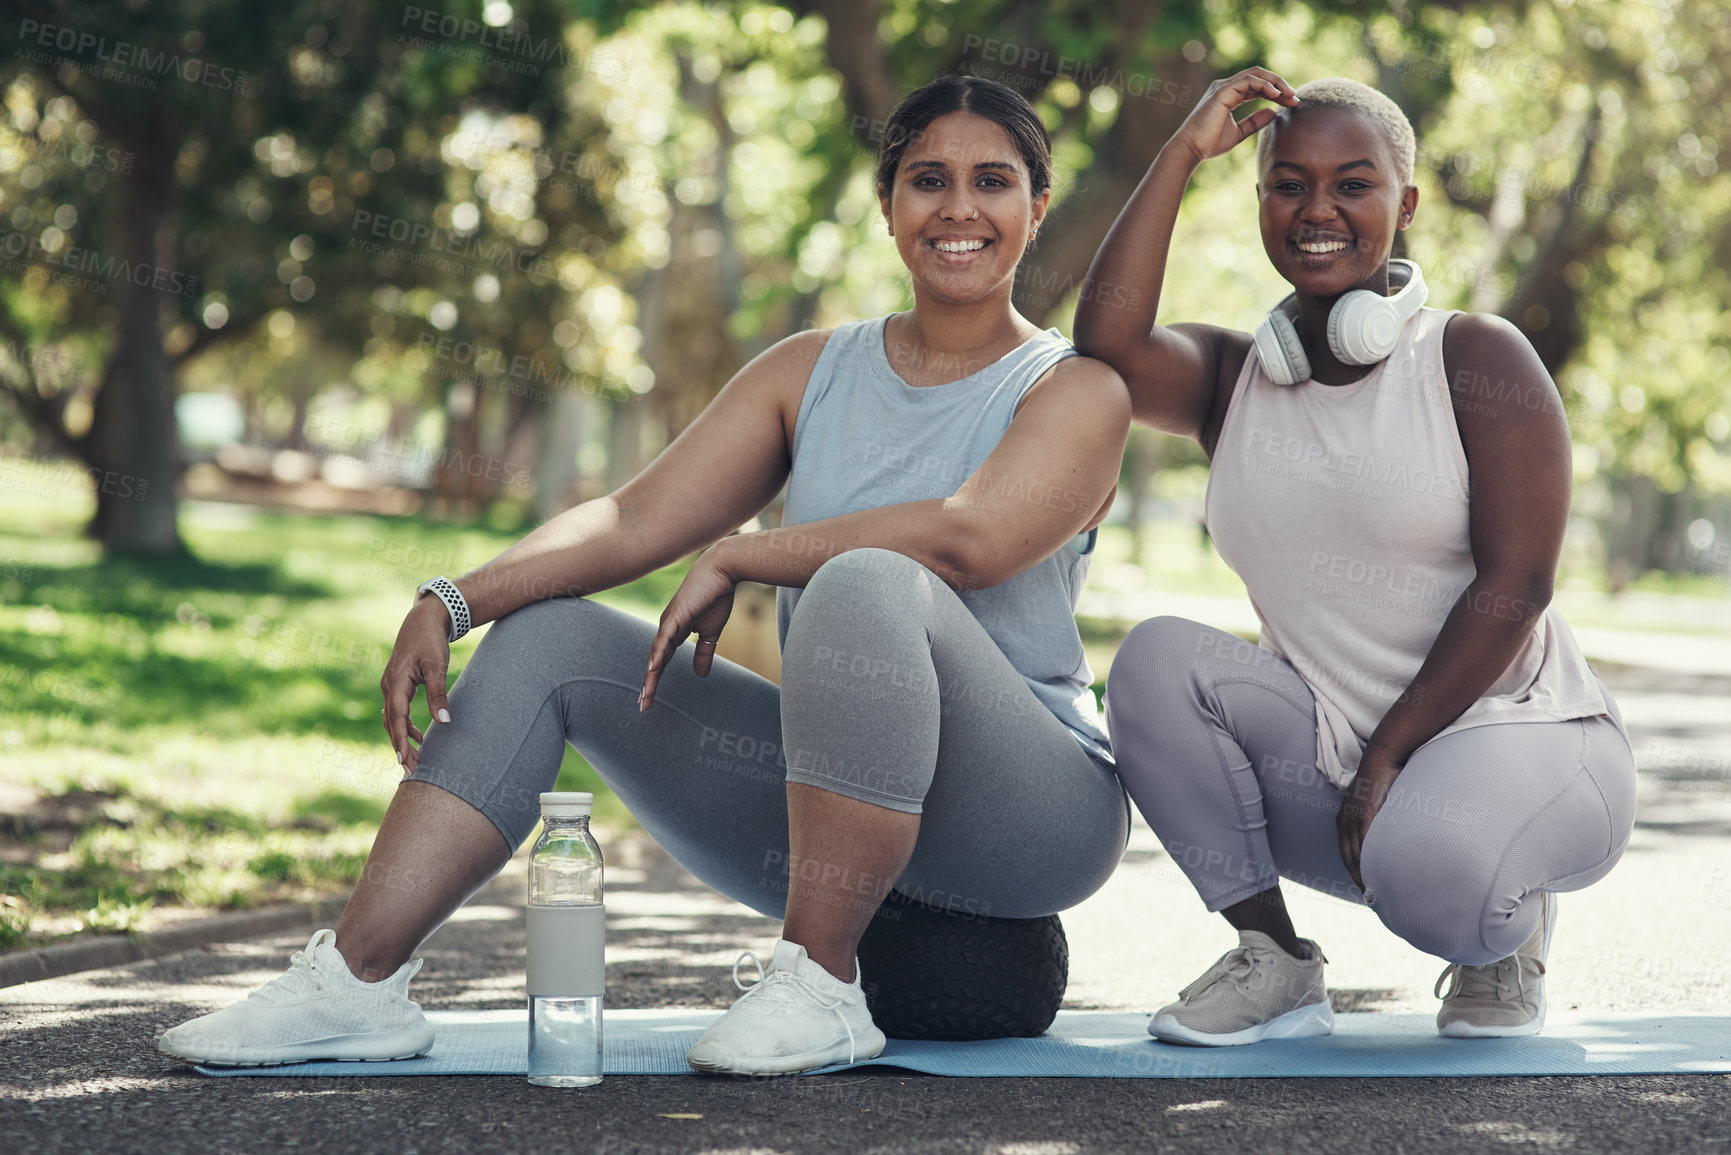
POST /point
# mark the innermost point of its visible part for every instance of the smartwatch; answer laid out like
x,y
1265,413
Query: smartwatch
x,y
446,591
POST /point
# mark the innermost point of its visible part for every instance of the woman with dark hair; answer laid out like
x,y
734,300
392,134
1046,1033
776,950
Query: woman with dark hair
x,y
934,730
1417,729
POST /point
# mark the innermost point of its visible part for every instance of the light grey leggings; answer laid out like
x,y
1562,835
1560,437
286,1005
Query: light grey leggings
x,y
1018,820
1216,742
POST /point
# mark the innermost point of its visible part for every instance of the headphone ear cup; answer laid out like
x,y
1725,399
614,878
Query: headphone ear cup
x,y
1364,327
1280,351
1347,323
1377,332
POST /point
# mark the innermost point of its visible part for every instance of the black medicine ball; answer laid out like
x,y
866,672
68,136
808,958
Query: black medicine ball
x,y
931,974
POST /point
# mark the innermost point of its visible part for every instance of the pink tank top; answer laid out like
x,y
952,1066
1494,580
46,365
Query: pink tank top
x,y
1344,510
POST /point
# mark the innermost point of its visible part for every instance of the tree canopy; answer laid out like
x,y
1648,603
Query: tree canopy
x,y
508,249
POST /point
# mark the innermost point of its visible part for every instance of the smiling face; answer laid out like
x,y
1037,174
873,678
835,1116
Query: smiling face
x,y
962,208
1331,201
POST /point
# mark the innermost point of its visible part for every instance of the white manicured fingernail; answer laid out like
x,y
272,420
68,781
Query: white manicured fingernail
x,y
444,714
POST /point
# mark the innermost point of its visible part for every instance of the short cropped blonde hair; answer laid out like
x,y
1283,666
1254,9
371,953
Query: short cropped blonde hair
x,y
1339,92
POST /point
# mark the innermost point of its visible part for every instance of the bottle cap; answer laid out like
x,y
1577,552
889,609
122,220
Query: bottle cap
x,y
566,803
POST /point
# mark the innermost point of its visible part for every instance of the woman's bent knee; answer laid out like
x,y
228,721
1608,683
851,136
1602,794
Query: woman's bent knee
x,y
545,643
858,615
552,618
878,576
1438,904
1154,663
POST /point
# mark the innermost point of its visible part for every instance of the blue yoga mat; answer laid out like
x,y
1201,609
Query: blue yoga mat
x,y
1100,1044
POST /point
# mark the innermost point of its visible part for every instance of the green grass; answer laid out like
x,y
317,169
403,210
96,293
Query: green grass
x,y
204,732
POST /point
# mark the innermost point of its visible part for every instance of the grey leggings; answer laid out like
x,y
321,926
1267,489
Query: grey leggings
x,y
1018,820
1216,742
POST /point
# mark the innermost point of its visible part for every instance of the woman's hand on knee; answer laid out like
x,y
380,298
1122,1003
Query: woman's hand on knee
x,y
702,605
1364,799
420,657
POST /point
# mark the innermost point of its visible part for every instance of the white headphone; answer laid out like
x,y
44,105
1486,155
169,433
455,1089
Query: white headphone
x,y
1362,327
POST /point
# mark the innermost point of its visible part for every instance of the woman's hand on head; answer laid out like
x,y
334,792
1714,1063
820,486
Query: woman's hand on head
x,y
420,657
700,605
1210,130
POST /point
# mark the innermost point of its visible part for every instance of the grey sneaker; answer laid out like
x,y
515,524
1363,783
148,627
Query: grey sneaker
x,y
1504,998
1255,991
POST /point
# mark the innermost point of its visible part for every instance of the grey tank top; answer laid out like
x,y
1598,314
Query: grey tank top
x,y
866,438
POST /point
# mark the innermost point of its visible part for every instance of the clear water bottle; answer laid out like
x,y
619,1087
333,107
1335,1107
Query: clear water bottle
x,y
567,928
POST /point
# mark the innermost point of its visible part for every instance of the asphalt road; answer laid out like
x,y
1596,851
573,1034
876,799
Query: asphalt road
x,y
79,1071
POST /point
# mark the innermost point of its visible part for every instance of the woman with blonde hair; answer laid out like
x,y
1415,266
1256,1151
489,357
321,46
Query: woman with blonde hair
x,y
1417,729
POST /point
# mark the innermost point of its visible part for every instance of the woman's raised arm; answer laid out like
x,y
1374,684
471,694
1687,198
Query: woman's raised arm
x,y
720,472
1171,370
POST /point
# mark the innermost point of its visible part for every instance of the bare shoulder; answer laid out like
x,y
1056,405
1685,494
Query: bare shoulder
x,y
786,364
1487,343
1481,327
1085,381
1230,349
1488,358
777,377
1503,396
795,355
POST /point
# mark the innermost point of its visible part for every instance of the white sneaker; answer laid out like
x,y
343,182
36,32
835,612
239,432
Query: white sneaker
x,y
1503,999
316,1010
796,1018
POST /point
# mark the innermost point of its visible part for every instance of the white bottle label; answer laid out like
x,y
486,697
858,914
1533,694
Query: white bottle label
x,y
566,945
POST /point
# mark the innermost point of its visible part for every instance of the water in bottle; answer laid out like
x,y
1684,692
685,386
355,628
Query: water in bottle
x,y
566,922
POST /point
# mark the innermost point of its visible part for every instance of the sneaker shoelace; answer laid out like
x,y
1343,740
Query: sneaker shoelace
x,y
1488,981
300,979
781,990
1237,964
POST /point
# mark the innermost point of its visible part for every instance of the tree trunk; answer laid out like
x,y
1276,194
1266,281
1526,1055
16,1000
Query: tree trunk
x,y
556,473
624,444
455,478
1548,308
856,51
1640,529
1141,458
131,443
1071,236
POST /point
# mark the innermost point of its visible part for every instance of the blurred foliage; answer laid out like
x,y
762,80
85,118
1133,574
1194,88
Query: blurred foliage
x,y
543,233
206,734
609,207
